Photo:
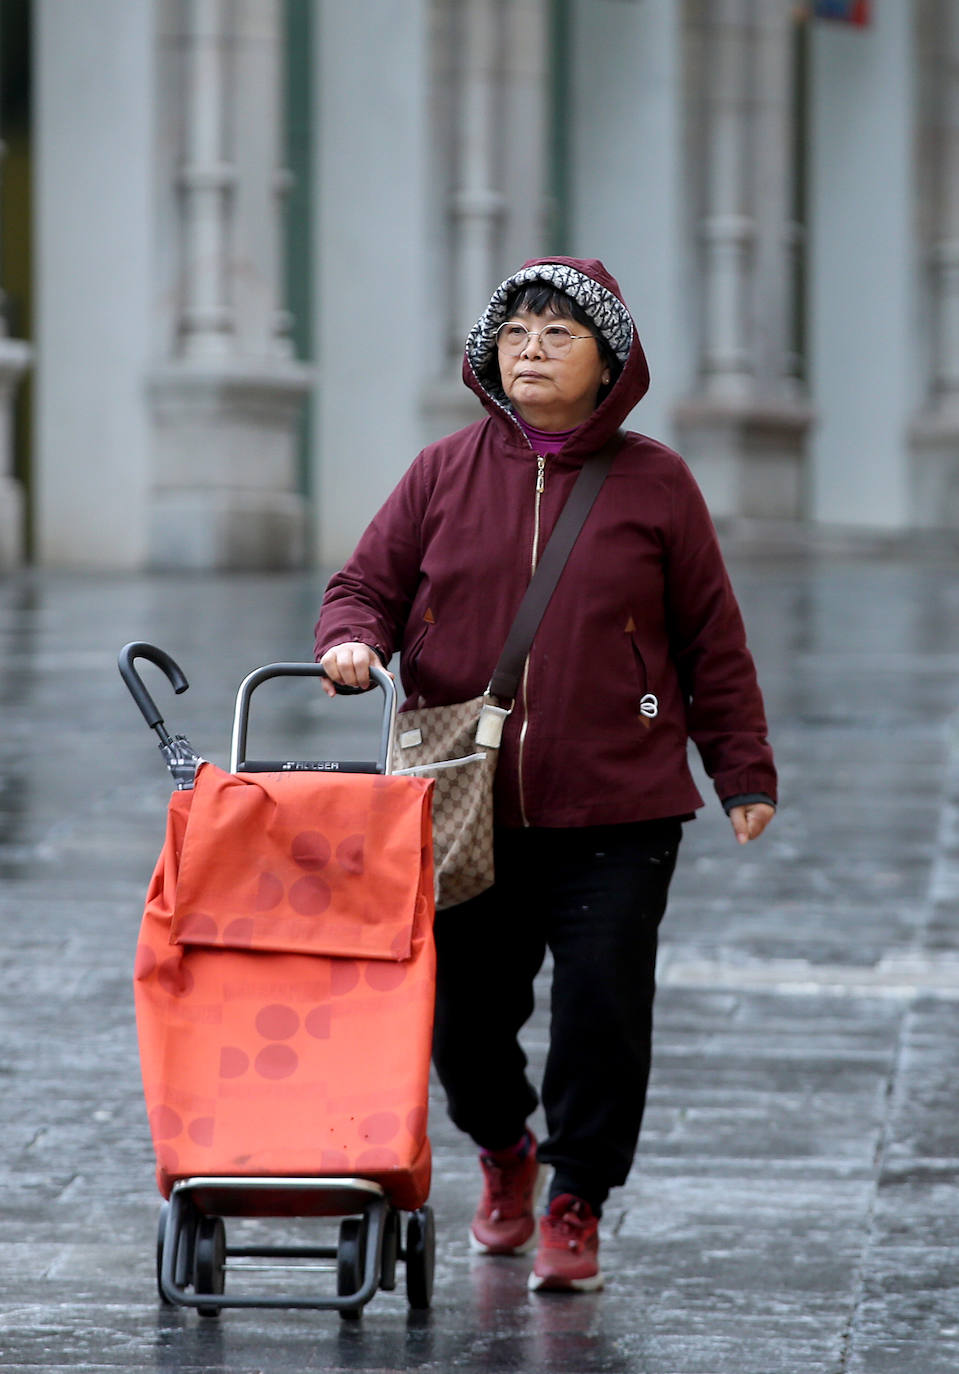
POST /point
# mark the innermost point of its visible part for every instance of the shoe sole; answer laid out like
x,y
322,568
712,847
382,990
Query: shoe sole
x,y
479,1248
554,1284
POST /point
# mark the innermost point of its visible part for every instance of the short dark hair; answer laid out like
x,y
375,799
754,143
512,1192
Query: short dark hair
x,y
540,298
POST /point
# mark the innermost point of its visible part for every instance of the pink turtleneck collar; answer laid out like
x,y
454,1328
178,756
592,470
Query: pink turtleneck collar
x,y
544,441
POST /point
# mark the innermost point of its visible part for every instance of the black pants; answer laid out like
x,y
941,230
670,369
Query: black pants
x,y
594,897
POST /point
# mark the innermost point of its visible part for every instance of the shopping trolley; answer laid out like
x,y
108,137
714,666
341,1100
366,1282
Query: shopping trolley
x,y
284,989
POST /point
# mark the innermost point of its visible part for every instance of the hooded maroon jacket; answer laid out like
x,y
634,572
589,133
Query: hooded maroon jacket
x,y
643,612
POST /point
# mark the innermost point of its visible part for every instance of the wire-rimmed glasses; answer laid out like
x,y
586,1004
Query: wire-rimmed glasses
x,y
555,340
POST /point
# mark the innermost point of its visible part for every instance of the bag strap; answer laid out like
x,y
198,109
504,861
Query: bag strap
x,y
508,671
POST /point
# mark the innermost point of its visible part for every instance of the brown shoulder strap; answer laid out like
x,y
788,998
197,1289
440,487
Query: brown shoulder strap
x,y
509,669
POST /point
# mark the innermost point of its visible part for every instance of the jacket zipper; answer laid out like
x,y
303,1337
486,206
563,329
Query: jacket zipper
x,y
540,488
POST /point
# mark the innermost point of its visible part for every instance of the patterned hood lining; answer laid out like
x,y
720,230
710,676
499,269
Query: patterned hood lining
x,y
606,311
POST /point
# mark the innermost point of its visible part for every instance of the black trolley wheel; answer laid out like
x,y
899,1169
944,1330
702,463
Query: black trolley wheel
x,y
184,1241
420,1258
350,1260
392,1247
209,1262
161,1236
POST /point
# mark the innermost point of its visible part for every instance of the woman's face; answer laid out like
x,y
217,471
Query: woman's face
x,y
552,393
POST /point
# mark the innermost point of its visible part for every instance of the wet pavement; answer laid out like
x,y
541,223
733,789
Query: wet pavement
x,y
793,1208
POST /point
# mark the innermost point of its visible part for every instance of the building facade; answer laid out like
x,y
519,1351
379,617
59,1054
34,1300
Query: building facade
x,y
261,229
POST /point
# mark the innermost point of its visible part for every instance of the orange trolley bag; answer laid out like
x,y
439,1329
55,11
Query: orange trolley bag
x,y
284,988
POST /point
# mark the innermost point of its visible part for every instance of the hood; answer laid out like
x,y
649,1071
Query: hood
x,y
597,292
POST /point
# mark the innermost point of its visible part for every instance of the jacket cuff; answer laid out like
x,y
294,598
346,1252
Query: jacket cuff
x,y
747,799
353,639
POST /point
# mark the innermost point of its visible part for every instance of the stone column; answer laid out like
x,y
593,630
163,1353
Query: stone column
x,y
470,94
525,170
477,203
635,120
935,433
96,122
226,403
491,72
207,183
380,278
743,426
727,228
863,337
15,356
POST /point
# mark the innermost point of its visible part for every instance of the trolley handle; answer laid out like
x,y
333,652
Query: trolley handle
x,y
238,758
148,707
180,757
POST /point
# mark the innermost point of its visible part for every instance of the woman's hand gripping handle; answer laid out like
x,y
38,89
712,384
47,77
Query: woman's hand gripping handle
x,y
348,666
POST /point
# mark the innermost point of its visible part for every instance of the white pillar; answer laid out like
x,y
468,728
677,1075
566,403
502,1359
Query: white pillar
x,y
779,238
428,195
634,120
728,228
477,202
488,146
863,363
226,401
381,299
207,181
93,136
743,423
167,404
524,175
263,322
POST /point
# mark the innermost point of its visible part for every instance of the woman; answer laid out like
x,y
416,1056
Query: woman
x,y
641,647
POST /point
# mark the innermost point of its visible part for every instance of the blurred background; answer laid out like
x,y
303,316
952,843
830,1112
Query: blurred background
x,y
241,243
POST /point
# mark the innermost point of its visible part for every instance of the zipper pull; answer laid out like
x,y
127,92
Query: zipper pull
x,y
540,474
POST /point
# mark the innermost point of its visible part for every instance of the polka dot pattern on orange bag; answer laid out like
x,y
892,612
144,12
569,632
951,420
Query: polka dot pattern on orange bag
x,y
284,980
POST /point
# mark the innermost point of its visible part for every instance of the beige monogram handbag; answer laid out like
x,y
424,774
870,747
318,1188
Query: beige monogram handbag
x,y
458,745
440,742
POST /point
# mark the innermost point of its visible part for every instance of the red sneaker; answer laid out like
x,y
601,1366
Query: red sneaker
x,y
568,1256
504,1222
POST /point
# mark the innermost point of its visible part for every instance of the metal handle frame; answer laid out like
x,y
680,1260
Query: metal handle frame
x,y
271,670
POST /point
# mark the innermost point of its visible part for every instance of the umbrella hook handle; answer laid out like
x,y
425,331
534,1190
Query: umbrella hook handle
x,y
148,707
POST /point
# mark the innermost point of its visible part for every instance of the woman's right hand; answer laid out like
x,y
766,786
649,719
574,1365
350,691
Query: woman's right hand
x,y
348,664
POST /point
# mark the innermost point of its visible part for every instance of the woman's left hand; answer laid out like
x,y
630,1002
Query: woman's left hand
x,y
750,821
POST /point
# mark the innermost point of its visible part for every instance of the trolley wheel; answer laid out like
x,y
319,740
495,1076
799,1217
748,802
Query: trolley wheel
x,y
420,1258
161,1236
350,1261
183,1241
209,1261
391,1250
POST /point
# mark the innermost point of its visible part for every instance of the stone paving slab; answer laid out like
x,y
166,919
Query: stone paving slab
x,y
793,1209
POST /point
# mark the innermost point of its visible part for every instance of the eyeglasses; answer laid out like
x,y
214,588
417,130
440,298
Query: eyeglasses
x,y
555,340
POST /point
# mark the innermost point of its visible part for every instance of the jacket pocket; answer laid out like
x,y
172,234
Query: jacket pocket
x,y
647,703
410,654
